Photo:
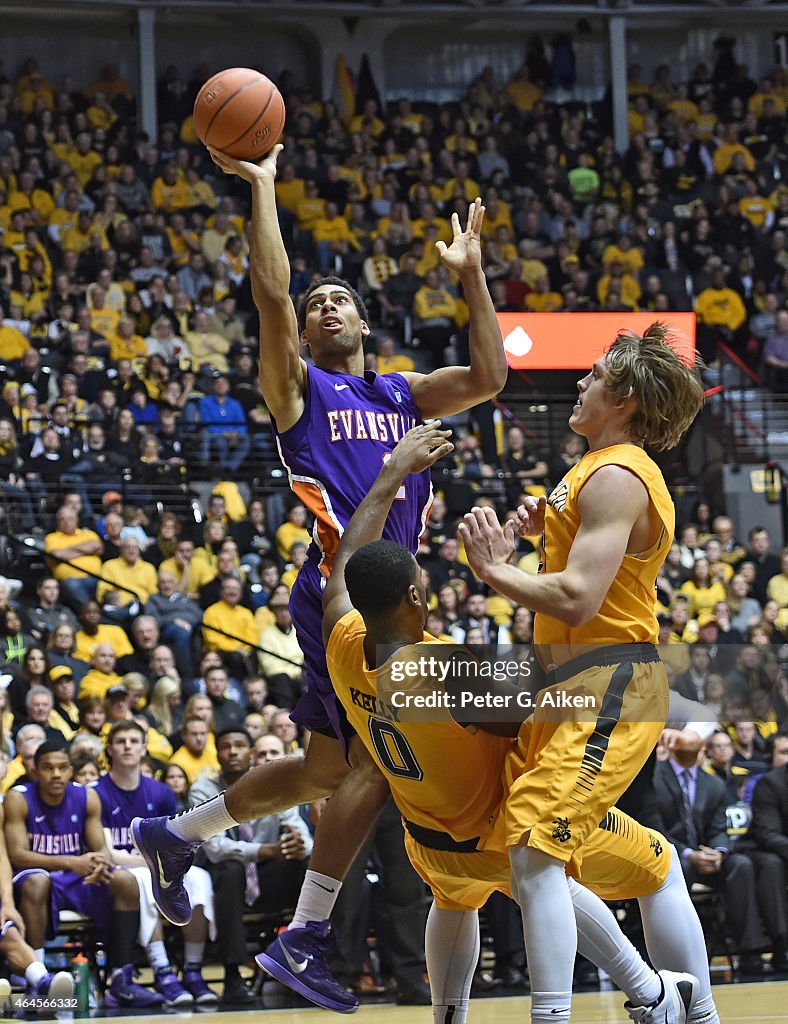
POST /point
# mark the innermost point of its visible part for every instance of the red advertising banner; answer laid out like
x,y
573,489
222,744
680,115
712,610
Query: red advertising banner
x,y
574,341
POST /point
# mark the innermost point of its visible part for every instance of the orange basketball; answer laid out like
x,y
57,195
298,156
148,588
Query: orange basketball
x,y
240,112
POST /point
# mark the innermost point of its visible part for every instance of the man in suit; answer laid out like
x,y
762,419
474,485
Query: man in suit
x,y
769,835
692,684
692,805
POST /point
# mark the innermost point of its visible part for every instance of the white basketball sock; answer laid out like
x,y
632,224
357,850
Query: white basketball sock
x,y
203,821
316,899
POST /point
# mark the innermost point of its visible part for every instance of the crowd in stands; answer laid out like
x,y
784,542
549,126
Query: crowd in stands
x,y
129,351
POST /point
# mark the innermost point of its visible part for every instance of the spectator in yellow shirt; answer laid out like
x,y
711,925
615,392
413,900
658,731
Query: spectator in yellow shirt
x,y
125,344
27,197
95,632
83,160
390,361
169,192
368,120
103,319
197,757
331,237
309,209
629,293
522,91
292,529
82,549
130,572
758,210
229,615
435,315
102,673
724,154
766,93
624,253
721,313
541,299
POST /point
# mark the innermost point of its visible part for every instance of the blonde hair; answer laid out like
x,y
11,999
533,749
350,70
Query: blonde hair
x,y
665,384
159,705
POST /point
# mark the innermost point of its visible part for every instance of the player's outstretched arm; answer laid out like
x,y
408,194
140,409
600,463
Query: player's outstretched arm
x,y
453,389
282,371
610,504
419,449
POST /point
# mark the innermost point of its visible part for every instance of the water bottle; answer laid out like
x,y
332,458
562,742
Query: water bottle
x,y
99,977
80,971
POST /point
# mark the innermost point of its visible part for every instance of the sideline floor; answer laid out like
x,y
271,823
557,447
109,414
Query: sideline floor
x,y
738,1004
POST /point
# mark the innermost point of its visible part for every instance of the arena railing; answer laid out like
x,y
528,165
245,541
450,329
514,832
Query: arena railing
x,y
31,542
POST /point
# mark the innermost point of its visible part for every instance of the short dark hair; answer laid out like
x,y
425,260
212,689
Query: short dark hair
x,y
49,747
380,560
233,730
358,302
126,725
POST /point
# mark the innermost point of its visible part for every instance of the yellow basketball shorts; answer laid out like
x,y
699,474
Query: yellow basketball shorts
x,y
622,860
570,765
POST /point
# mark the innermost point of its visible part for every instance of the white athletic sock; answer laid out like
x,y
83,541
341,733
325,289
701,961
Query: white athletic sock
x,y
704,1012
157,954
548,1007
674,937
316,899
39,954
451,945
203,821
35,972
549,929
193,953
600,939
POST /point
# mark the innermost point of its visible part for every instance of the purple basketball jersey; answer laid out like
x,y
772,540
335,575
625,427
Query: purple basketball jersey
x,y
60,832
56,831
334,452
333,455
151,799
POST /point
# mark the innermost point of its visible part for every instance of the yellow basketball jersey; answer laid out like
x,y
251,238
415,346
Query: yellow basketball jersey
x,y
442,777
628,613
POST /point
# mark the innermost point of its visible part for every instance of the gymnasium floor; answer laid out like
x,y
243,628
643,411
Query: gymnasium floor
x,y
737,1004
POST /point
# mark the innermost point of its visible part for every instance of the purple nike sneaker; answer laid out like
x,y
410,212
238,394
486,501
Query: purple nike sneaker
x,y
298,958
169,858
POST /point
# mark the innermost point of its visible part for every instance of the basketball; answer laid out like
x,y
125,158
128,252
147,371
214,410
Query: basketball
x,y
240,112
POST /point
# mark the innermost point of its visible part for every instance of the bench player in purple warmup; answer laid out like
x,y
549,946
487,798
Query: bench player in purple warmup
x,y
334,425
56,844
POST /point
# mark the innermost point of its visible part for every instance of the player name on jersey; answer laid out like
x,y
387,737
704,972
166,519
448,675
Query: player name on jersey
x,y
367,425
55,846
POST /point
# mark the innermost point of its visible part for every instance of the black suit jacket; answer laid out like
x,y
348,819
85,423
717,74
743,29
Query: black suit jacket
x,y
708,809
684,685
769,828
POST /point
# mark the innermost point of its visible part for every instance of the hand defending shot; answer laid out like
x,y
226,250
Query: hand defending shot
x,y
420,448
465,252
486,543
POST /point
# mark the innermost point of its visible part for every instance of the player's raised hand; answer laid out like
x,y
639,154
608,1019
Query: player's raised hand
x,y
421,448
530,516
486,543
465,251
265,168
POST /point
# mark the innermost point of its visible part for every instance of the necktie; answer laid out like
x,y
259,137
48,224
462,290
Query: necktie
x,y
252,879
690,828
